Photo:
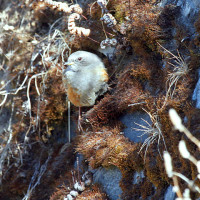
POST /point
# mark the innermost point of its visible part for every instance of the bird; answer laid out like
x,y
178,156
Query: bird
x,y
85,78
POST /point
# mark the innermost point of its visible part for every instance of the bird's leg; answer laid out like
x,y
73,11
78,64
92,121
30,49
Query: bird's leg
x,y
80,128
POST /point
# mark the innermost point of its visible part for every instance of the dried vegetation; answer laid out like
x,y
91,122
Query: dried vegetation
x,y
36,38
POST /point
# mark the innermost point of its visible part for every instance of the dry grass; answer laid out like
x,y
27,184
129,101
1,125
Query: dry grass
x,y
180,68
153,131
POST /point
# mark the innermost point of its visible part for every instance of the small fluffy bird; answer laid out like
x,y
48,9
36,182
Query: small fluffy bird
x,y
85,78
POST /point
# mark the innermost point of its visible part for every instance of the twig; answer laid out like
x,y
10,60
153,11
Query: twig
x,y
35,180
4,100
69,131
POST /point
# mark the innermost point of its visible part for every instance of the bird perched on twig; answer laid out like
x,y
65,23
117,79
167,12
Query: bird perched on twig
x,y
85,78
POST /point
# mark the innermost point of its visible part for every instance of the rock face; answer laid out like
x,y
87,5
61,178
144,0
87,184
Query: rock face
x,y
196,93
151,52
169,194
109,179
135,125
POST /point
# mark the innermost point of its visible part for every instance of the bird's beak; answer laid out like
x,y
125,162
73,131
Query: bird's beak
x,y
69,67
68,63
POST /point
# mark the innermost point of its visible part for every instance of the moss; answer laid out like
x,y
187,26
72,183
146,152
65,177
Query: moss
x,y
153,171
137,82
106,148
93,193
147,189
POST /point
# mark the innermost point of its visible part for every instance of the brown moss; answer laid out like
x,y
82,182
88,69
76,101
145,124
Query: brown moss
x,y
141,72
126,182
153,171
58,195
94,11
56,105
147,189
93,193
127,91
44,13
143,30
106,148
140,80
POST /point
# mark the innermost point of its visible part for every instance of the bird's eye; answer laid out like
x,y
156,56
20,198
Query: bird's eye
x,y
80,58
